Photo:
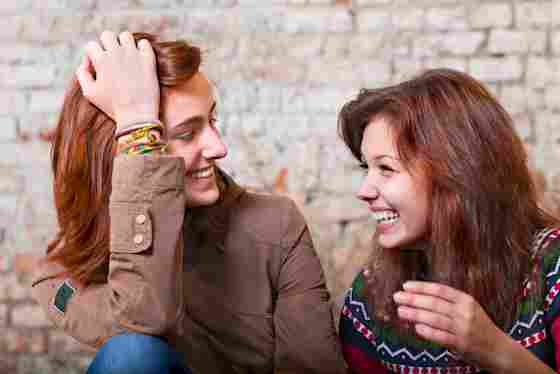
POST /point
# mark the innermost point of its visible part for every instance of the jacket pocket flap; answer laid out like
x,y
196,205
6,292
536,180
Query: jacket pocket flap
x,y
131,228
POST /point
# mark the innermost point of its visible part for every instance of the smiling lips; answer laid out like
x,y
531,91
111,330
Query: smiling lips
x,y
202,173
385,216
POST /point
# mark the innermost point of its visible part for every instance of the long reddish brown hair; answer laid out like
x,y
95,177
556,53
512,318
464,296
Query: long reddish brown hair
x,y
484,208
82,162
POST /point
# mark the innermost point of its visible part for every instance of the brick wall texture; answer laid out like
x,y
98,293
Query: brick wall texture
x,y
282,69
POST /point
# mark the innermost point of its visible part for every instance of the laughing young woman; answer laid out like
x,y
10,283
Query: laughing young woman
x,y
162,262
465,271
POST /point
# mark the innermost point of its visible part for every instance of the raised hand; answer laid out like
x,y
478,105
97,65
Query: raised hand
x,y
455,320
119,77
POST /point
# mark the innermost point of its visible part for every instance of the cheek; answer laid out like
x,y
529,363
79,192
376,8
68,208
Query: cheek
x,y
186,152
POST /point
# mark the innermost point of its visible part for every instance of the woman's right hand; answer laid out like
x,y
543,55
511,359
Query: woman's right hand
x,y
120,78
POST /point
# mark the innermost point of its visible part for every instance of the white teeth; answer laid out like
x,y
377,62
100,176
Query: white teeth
x,y
204,173
385,216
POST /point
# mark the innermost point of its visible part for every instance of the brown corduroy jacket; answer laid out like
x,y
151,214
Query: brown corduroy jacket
x,y
249,299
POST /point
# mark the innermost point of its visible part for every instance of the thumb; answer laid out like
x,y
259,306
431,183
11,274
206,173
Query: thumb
x,y
85,76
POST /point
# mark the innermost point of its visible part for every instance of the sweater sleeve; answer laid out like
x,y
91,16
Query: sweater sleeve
x,y
551,276
355,334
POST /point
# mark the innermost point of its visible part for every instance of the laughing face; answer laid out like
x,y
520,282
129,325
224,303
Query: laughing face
x,y
189,112
397,199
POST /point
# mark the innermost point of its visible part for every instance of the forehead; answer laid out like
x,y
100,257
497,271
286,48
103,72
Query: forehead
x,y
378,138
193,98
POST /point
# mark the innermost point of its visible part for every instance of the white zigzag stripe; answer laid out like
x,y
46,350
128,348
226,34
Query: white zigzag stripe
x,y
445,354
537,314
385,347
358,304
555,270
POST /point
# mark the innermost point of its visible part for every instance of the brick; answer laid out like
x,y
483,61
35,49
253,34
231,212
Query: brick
x,y
552,98
116,4
164,23
542,71
449,18
459,64
46,101
381,44
496,15
13,102
10,182
3,314
15,6
372,2
555,13
27,76
8,362
515,42
405,69
82,5
496,69
297,46
270,19
25,53
28,316
523,126
13,288
408,18
370,73
23,341
555,42
374,20
9,129
533,14
337,209
519,99
48,27
452,43
11,27
546,151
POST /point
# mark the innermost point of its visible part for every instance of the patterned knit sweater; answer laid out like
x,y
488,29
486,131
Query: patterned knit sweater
x,y
373,347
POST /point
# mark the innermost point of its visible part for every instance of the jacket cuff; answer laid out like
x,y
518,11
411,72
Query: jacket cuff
x,y
137,177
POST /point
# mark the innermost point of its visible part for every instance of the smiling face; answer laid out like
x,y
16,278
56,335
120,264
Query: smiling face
x,y
189,112
397,199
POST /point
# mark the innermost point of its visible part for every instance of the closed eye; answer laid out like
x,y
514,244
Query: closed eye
x,y
386,168
187,135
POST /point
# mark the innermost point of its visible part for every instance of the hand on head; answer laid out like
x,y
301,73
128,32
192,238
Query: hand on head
x,y
119,76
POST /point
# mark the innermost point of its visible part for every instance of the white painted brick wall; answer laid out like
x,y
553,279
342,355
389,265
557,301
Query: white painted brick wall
x,y
282,68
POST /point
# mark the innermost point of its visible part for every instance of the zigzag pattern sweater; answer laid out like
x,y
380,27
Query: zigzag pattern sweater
x,y
375,348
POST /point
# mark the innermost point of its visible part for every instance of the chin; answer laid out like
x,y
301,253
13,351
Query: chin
x,y
203,199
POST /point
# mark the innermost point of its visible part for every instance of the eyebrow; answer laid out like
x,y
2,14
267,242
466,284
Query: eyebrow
x,y
191,121
381,157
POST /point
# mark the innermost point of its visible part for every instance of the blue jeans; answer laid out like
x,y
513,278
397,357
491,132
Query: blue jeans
x,y
138,354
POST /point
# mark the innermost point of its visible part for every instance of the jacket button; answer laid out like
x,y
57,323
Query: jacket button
x,y
138,238
140,219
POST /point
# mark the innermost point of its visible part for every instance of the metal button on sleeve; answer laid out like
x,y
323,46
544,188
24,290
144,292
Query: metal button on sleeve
x,y
140,219
138,238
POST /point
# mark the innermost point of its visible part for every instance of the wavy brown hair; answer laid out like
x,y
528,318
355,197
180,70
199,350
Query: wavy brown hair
x,y
484,208
82,162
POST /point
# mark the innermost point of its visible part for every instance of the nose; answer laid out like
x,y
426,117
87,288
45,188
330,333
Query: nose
x,y
213,147
368,190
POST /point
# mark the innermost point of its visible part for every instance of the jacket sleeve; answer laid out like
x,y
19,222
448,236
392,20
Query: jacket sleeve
x,y
306,340
143,292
